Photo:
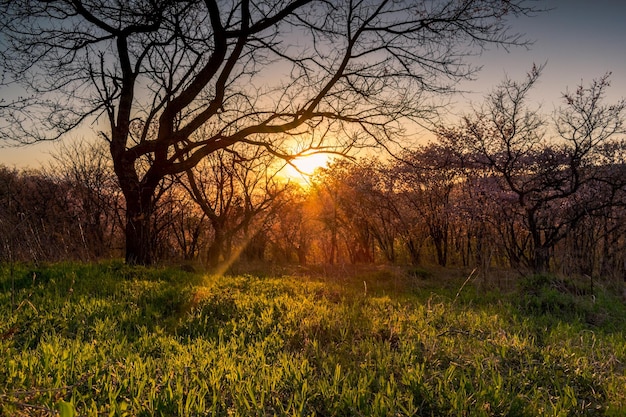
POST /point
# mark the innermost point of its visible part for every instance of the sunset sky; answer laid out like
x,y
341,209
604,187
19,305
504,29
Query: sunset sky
x,y
579,40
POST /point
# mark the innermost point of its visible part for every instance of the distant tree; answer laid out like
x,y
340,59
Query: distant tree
x,y
39,218
550,182
233,189
155,77
359,208
375,192
96,200
190,228
427,177
326,194
9,216
292,233
180,227
611,219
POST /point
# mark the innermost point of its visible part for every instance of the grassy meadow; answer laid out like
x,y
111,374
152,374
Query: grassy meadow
x,y
112,340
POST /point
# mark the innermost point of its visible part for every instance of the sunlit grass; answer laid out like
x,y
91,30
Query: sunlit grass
x,y
114,340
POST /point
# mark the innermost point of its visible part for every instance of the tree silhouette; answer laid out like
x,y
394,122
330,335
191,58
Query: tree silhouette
x,y
550,183
167,83
232,192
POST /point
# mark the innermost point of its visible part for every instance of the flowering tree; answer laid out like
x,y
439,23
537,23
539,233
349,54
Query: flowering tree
x,y
428,176
551,180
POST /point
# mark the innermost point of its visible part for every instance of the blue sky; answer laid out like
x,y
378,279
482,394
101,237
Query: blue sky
x,y
578,39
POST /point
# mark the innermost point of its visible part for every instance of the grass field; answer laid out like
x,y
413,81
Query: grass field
x,y
113,340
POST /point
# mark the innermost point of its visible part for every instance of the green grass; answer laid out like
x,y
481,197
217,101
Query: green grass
x,y
108,339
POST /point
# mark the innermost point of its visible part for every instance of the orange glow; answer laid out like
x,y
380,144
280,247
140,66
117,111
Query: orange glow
x,y
305,166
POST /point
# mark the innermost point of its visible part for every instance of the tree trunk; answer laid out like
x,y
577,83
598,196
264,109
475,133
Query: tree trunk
x,y
138,251
216,248
139,233
301,251
541,259
333,248
441,246
139,198
414,250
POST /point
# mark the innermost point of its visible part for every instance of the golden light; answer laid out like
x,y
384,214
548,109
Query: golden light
x,y
305,166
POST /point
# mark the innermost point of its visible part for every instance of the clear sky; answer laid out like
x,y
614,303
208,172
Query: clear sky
x,y
579,40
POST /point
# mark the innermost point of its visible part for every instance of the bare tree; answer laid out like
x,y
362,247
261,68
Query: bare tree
x,y
39,218
97,202
149,74
189,229
232,189
549,183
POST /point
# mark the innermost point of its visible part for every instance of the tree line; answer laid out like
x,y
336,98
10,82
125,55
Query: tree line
x,y
504,187
168,84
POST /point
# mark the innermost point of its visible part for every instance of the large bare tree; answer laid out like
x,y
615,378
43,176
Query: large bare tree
x,y
167,82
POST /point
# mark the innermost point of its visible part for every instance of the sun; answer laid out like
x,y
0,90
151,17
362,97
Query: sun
x,y
305,166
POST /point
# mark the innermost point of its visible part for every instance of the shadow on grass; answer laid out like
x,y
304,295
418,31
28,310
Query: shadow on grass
x,y
551,300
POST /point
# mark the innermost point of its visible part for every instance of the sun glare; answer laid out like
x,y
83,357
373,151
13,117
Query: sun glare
x,y
305,166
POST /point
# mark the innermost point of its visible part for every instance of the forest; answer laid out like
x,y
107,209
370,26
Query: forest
x,y
495,191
